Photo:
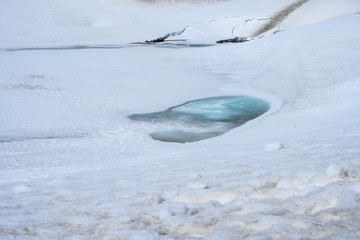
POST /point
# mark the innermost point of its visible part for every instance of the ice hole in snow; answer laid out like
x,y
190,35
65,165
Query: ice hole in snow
x,y
204,118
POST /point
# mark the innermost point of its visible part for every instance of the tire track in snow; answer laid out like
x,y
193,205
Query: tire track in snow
x,y
279,17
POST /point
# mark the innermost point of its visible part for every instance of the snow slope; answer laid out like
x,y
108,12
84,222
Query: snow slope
x,y
73,166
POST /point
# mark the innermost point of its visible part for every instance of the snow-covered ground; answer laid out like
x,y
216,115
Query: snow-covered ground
x,y
74,166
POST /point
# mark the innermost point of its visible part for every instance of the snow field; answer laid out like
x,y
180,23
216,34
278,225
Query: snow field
x,y
73,166
176,198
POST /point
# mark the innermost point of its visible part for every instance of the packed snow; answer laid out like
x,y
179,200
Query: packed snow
x,y
74,166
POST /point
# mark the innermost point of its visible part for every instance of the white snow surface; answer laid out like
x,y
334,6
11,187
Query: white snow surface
x,y
73,166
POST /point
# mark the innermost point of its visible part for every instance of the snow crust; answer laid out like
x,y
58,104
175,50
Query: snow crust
x,y
73,166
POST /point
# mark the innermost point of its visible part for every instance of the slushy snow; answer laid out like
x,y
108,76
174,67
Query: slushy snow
x,y
74,166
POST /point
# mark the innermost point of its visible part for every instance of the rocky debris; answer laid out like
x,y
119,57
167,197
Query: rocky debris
x,y
234,40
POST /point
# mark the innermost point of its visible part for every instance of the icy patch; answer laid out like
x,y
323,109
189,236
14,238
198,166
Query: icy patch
x,y
204,118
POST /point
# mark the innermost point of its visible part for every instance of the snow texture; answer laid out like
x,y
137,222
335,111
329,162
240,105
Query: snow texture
x,y
74,166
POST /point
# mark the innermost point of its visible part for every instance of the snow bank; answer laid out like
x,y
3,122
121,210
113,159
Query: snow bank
x,y
318,11
73,166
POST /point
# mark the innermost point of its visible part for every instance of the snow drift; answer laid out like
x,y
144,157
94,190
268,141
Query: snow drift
x,y
73,166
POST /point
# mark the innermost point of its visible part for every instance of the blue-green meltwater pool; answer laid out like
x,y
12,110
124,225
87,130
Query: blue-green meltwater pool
x,y
204,118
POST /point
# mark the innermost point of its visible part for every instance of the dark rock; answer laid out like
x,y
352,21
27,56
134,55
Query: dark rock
x,y
160,39
234,40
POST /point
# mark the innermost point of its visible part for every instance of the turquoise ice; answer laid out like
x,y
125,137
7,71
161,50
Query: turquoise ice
x,y
223,109
204,118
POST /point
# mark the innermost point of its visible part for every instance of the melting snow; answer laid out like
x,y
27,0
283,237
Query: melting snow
x,y
292,173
